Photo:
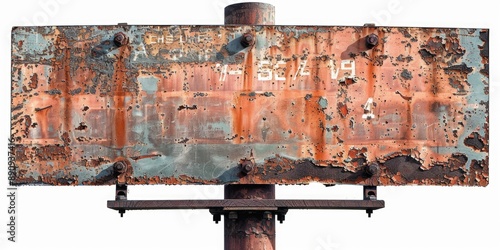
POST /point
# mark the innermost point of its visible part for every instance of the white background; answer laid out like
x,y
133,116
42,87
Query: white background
x,y
414,217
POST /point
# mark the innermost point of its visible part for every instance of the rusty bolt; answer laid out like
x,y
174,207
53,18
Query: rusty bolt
x,y
120,39
371,195
371,41
120,167
268,215
247,167
121,195
369,212
372,169
247,40
232,216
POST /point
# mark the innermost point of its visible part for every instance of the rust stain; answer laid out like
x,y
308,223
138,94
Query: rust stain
x,y
41,109
119,78
34,81
82,126
95,162
342,108
476,142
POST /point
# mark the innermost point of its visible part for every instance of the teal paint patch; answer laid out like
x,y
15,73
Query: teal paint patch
x,y
31,45
87,173
137,113
323,103
477,99
261,42
142,130
219,126
197,161
148,84
160,165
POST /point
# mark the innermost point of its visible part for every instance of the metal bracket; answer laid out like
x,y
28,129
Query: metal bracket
x,y
233,213
369,194
121,195
234,208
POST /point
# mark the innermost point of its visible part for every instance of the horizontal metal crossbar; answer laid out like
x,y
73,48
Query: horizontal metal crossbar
x,y
246,204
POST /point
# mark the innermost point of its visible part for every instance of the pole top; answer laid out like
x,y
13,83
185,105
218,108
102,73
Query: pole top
x,y
249,13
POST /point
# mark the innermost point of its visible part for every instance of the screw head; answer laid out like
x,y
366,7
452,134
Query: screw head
x,y
120,39
121,197
268,215
119,167
247,168
247,40
372,169
232,216
371,41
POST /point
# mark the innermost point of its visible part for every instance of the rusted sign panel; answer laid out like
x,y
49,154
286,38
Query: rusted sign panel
x,y
250,104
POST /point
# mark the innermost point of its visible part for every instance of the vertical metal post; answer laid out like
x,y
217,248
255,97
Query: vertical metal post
x,y
247,229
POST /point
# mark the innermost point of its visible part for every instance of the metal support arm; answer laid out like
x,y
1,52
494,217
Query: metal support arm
x,y
231,207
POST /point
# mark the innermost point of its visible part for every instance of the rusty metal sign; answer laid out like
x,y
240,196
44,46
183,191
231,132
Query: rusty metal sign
x,y
250,104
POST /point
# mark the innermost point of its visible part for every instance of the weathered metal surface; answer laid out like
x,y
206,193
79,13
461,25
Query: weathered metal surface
x,y
193,105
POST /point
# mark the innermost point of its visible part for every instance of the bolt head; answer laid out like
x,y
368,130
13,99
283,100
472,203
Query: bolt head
x,y
247,40
119,166
372,169
232,215
120,39
121,197
247,168
371,41
268,215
